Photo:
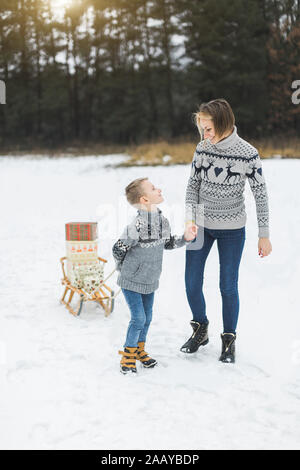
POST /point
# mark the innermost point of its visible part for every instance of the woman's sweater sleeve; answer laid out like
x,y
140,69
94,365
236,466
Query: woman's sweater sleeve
x,y
192,190
255,176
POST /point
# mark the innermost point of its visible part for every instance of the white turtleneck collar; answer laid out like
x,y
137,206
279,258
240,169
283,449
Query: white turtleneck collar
x,y
228,141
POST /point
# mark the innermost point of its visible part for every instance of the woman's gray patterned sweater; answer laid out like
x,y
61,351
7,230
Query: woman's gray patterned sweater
x,y
139,251
214,195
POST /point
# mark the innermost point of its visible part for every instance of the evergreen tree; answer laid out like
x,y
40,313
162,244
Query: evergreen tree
x,y
226,46
133,70
284,68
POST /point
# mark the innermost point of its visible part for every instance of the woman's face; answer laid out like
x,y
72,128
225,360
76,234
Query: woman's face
x,y
208,128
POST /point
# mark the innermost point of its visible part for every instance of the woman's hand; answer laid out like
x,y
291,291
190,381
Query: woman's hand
x,y
264,247
191,230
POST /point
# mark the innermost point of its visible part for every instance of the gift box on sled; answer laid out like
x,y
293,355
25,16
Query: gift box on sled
x,y
81,251
81,231
83,270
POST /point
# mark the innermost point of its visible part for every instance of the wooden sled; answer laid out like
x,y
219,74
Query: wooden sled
x,y
104,295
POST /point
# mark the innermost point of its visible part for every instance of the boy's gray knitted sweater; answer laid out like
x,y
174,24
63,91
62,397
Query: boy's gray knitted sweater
x,y
139,251
214,195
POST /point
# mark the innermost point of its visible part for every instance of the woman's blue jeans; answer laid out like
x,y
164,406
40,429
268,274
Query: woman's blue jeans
x,y
230,244
140,306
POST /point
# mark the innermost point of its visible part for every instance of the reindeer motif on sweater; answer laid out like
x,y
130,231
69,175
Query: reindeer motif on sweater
x,y
217,183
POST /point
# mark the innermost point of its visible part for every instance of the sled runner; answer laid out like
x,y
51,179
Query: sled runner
x,y
101,293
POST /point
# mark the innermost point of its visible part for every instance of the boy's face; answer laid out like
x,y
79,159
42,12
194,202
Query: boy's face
x,y
151,194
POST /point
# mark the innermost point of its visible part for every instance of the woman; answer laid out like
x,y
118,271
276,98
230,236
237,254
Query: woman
x,y
215,204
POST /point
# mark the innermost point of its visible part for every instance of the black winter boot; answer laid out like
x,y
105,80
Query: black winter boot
x,y
228,347
198,338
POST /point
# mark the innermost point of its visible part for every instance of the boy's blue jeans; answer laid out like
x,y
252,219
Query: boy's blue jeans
x,y
230,244
140,306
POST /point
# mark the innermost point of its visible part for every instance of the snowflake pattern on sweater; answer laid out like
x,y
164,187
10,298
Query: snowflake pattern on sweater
x,y
148,230
215,190
139,251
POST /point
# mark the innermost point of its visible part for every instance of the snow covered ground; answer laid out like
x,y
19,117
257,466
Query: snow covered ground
x,y
59,375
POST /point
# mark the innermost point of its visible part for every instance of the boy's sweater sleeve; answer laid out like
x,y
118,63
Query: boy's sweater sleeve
x,y
174,241
258,187
192,190
127,240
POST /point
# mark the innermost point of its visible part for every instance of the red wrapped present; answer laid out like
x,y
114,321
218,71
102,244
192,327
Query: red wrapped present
x,y
81,231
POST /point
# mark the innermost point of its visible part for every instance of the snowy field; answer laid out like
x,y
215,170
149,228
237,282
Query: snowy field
x,y
59,375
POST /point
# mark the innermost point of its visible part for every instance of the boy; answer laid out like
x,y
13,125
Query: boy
x,y
138,254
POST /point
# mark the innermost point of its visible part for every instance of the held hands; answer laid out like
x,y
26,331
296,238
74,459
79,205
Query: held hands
x,y
264,247
191,230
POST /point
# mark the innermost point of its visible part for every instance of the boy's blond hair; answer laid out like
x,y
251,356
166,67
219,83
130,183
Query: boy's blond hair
x,y
134,191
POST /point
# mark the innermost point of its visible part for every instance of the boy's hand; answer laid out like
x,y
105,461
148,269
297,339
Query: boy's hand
x,y
191,230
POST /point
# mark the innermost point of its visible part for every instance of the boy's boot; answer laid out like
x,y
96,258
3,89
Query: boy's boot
x,y
142,356
198,338
228,347
128,361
